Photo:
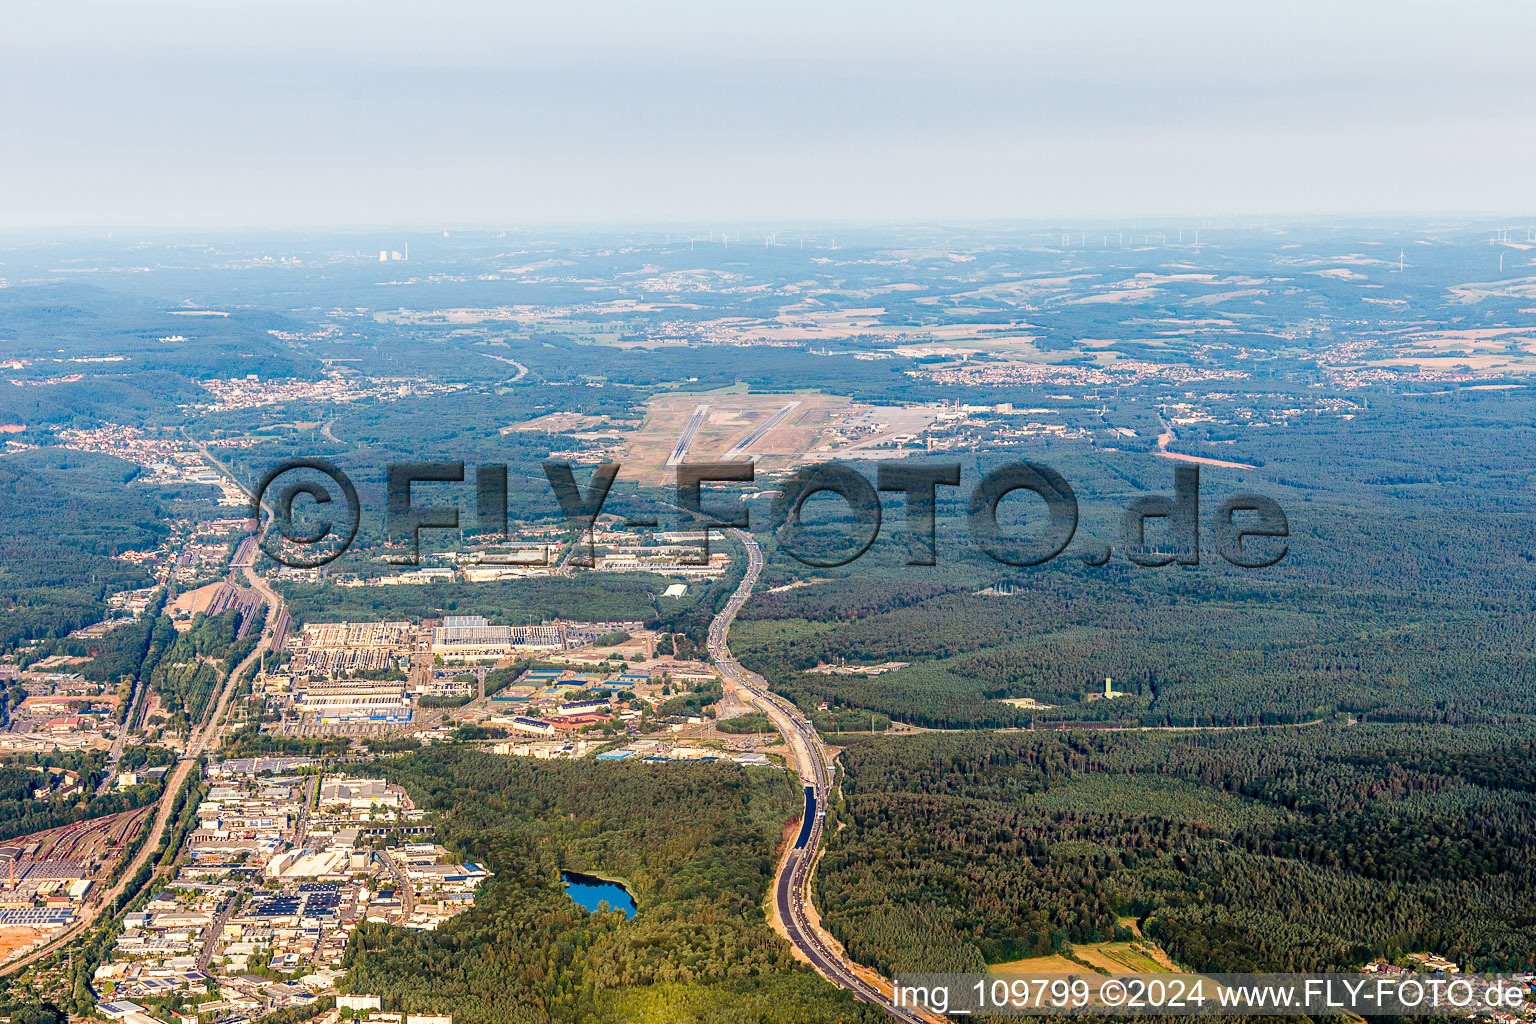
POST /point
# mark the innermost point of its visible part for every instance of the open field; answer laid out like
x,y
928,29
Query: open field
x,y
775,430
1176,456
557,423
1487,363
1139,957
16,940
1483,350
1053,964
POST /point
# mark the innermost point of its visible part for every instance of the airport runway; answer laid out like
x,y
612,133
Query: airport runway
x,y
689,430
743,447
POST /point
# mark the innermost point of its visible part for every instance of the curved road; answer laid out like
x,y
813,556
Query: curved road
x,y
791,891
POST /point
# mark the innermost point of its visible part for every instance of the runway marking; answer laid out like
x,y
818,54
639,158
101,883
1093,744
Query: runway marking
x,y
741,447
681,448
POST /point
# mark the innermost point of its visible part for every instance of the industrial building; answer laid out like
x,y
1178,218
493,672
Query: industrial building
x,y
354,700
471,637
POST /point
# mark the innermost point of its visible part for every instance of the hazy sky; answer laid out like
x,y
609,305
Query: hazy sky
x,y
293,112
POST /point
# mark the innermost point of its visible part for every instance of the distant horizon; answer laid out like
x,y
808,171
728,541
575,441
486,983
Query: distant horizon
x,y
1127,223
288,113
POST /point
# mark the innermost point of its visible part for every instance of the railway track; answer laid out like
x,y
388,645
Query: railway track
x,y
204,736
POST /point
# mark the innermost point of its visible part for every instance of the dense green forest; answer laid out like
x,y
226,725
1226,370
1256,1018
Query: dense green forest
x,y
606,598
67,318
1367,614
751,722
1224,653
250,741
122,656
694,843
1405,594
63,515
1281,849
121,651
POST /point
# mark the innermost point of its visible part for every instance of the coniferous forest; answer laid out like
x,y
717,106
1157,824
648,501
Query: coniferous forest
x,y
1277,849
694,844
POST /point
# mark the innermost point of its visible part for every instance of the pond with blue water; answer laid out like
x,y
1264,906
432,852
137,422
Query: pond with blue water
x,y
589,891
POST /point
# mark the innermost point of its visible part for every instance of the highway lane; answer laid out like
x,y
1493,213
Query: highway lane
x,y
791,888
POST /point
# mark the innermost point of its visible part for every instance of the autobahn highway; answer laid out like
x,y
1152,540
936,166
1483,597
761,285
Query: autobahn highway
x,y
791,888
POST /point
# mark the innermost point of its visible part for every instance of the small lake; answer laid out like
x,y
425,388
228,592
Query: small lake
x,y
589,891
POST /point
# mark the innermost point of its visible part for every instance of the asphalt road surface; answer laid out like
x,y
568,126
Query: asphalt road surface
x,y
791,891
691,428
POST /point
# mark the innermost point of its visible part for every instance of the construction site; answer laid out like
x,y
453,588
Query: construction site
x,y
45,877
